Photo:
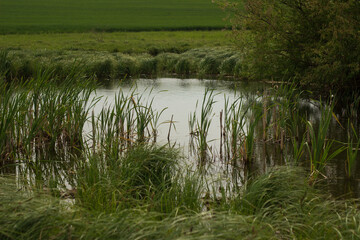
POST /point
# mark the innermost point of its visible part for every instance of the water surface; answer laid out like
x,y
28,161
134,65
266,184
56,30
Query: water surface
x,y
180,97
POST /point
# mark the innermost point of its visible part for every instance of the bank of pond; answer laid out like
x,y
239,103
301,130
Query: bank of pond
x,y
199,62
175,158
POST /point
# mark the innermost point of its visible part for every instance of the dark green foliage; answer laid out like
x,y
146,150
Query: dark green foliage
x,y
315,41
25,69
210,65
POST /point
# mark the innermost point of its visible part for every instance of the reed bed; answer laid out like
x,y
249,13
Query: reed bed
x,y
275,119
199,126
116,181
238,131
50,116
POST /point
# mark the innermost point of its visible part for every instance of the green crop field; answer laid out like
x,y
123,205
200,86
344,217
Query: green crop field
x,y
25,16
125,42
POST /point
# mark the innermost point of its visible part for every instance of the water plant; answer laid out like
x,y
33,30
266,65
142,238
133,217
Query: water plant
x,y
112,170
202,124
5,63
298,148
128,121
250,134
11,107
234,128
320,147
286,120
351,150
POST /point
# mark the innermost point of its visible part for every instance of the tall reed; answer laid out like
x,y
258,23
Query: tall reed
x,y
320,148
352,150
130,120
12,108
286,120
41,125
250,134
235,117
5,64
202,124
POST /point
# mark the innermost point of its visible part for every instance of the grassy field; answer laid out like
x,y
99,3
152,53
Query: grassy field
x,y
114,55
23,16
38,32
125,42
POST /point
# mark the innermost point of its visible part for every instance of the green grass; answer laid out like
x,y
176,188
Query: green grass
x,y
125,42
277,205
23,16
114,55
24,64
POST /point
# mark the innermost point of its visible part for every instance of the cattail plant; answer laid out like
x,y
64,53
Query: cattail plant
x,y
202,125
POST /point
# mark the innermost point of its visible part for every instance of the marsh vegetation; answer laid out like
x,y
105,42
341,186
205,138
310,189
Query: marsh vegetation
x,y
89,152
81,164
215,62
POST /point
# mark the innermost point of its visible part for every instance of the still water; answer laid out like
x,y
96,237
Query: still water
x,y
181,97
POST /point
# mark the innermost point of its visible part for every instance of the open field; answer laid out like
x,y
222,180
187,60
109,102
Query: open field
x,y
125,42
113,55
23,16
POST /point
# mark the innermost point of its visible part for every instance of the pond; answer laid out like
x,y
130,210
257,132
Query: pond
x,y
178,98
181,99
227,130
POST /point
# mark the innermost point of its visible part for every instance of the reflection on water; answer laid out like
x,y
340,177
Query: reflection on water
x,y
231,129
180,97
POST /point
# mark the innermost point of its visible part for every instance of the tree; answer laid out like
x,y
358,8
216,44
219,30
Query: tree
x,y
311,41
